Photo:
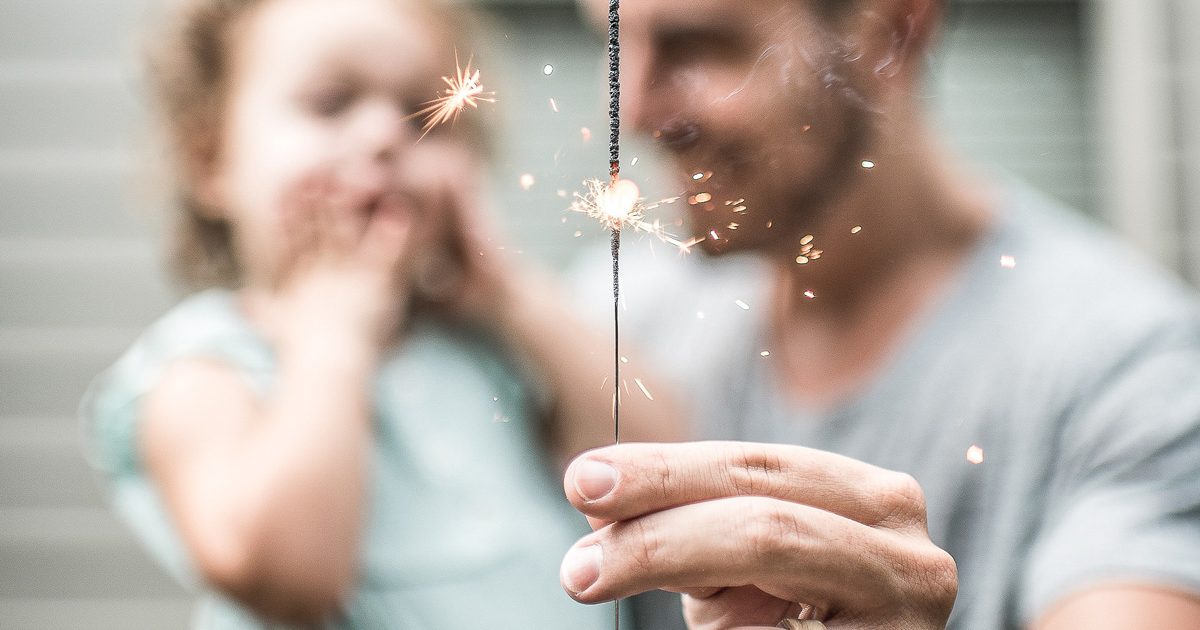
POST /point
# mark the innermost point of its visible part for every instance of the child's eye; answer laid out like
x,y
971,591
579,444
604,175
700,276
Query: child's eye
x,y
331,102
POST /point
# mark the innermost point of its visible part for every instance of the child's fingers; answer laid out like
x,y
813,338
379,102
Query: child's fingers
x,y
298,222
388,234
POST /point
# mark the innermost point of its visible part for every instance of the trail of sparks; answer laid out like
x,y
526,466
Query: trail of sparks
x,y
463,90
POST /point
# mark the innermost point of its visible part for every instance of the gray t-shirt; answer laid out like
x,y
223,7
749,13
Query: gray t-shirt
x,y
1073,375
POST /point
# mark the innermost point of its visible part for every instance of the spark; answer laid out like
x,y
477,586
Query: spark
x,y
633,162
1008,262
742,305
810,295
807,239
699,314
548,70
868,164
463,90
554,105
642,386
586,134
975,454
856,229
527,181
619,205
764,354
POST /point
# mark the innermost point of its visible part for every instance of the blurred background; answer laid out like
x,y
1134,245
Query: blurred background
x,y
1096,102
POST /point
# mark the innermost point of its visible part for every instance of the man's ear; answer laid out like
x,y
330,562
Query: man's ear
x,y
891,37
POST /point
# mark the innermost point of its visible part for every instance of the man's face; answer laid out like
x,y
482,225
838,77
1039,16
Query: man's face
x,y
755,104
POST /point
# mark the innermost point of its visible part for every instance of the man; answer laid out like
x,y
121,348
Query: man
x,y
1035,388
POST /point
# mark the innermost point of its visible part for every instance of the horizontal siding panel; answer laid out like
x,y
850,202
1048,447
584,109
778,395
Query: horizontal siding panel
x,y
68,115
95,614
81,283
75,553
42,465
48,205
69,29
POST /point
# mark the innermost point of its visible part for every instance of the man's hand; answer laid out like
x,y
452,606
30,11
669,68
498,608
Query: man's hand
x,y
754,533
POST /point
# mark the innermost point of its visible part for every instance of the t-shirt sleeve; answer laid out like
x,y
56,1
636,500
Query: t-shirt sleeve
x,y
110,414
1124,505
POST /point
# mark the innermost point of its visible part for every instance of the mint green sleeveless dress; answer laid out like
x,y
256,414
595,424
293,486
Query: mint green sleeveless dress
x,y
465,528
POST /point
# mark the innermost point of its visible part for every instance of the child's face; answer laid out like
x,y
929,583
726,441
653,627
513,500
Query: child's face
x,y
319,89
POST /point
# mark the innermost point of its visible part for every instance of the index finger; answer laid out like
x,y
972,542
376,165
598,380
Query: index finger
x,y
622,482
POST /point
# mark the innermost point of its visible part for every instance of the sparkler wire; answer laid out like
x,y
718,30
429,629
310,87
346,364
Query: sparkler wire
x,y
614,170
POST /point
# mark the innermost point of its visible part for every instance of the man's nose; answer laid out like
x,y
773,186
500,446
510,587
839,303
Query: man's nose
x,y
639,94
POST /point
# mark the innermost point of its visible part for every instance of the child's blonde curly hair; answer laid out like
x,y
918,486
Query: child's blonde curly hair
x,y
189,59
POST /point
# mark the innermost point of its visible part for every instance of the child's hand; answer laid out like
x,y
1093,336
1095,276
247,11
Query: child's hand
x,y
460,271
341,275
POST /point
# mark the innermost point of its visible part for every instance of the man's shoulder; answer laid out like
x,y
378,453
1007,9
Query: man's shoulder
x,y
1062,270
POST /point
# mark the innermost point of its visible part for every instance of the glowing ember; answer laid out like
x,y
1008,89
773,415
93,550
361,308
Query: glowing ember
x,y
742,305
463,90
806,240
764,354
1008,262
856,229
810,295
975,454
802,260
713,234
527,181
633,162
868,164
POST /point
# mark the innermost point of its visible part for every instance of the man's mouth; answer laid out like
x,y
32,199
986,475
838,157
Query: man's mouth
x,y
678,134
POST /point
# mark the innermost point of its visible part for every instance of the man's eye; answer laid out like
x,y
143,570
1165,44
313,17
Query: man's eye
x,y
694,46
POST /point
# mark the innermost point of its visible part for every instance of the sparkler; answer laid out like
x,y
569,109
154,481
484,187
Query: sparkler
x,y
614,172
462,90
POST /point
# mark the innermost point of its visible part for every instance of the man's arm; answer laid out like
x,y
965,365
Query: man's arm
x,y
1119,607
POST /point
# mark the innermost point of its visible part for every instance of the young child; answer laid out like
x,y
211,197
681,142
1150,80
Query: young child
x,y
295,440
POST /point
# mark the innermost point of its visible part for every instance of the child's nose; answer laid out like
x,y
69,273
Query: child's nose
x,y
382,130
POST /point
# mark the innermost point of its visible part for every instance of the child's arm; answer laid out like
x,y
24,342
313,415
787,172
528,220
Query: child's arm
x,y
576,360
523,307
269,495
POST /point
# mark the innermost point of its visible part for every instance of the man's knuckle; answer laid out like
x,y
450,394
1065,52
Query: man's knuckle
x,y
647,547
903,500
752,472
943,577
769,531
